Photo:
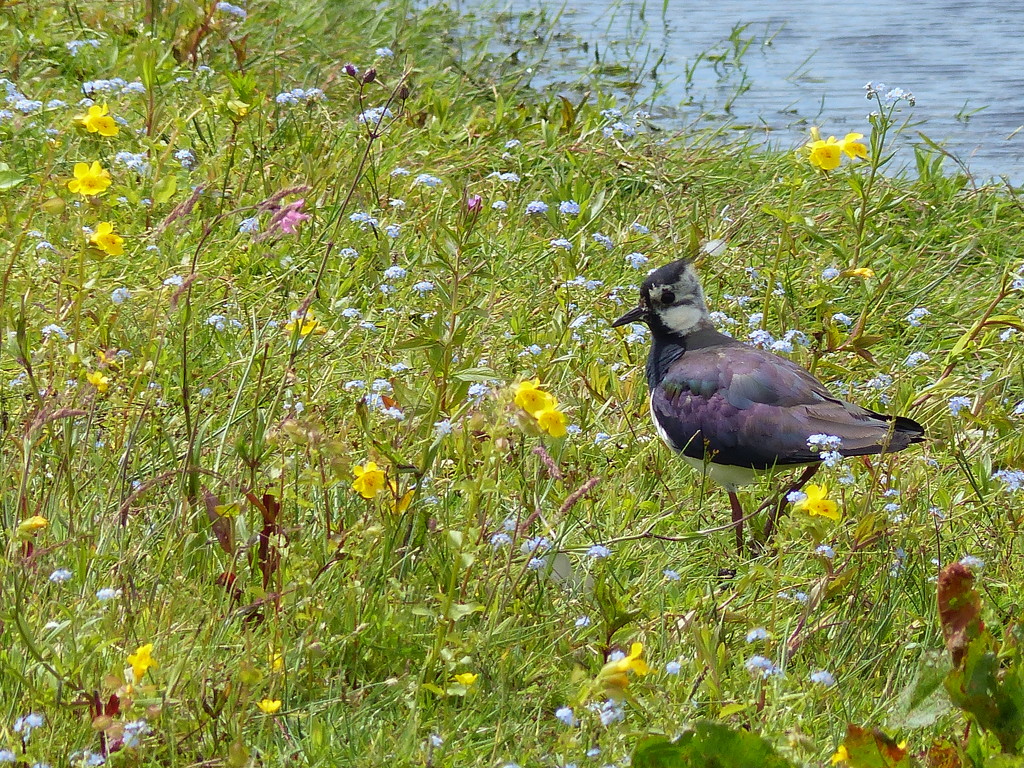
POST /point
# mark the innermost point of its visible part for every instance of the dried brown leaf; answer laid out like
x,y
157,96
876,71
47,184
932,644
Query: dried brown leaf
x,y
222,526
959,610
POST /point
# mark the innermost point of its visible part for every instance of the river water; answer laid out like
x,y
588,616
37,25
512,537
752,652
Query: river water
x,y
776,68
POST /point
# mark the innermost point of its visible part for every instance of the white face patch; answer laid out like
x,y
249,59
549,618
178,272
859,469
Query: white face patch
x,y
675,301
683,318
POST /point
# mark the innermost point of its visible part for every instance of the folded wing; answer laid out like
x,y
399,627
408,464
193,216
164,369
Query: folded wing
x,y
744,406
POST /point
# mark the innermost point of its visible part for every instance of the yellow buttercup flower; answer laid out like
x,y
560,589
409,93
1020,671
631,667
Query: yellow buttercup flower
x,y
841,755
107,240
532,399
370,480
269,706
141,660
614,675
400,503
862,272
89,180
98,380
308,325
816,504
852,146
31,525
466,678
98,120
825,154
552,421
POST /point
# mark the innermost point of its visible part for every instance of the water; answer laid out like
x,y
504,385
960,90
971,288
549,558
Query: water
x,y
800,63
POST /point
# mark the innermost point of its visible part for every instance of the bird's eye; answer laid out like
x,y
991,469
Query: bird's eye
x,y
667,297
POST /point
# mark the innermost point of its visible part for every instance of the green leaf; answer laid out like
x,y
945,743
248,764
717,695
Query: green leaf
x,y
238,754
781,215
656,752
990,691
164,189
924,700
731,709
871,748
10,179
459,610
568,114
708,745
474,374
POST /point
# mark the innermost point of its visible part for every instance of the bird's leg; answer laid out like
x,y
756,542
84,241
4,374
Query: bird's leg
x,y
780,505
737,520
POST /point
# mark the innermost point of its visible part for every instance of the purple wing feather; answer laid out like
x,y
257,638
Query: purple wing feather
x,y
748,407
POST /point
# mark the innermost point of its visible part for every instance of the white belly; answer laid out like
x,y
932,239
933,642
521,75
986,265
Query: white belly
x,y
729,476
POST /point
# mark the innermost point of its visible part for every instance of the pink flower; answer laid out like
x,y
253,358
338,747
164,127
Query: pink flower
x,y
285,220
289,217
474,204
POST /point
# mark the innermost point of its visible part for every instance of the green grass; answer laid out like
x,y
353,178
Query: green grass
x,y
370,609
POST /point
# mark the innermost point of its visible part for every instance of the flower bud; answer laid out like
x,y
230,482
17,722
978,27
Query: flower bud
x,y
29,526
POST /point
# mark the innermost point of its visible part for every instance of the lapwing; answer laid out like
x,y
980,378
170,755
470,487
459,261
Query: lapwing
x,y
735,411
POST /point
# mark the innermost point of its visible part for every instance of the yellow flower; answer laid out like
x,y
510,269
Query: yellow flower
x,y
852,147
276,661
825,154
141,660
370,480
863,272
308,325
614,676
107,240
815,503
98,380
237,107
532,399
841,755
98,120
552,421
400,504
466,678
30,525
269,706
89,179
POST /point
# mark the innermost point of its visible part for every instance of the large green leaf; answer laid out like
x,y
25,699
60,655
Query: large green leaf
x,y
991,694
871,748
924,700
708,745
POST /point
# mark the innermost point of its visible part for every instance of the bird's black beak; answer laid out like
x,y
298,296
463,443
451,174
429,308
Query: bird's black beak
x,y
635,315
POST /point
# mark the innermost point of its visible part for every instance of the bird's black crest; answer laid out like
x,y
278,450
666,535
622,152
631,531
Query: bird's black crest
x,y
666,275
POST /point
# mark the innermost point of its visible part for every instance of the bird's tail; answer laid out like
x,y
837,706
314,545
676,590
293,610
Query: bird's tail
x,y
908,427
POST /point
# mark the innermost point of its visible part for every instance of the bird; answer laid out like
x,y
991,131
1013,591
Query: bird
x,y
736,411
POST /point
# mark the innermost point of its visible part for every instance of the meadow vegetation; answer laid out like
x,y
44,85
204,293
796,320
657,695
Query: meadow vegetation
x,y
316,446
